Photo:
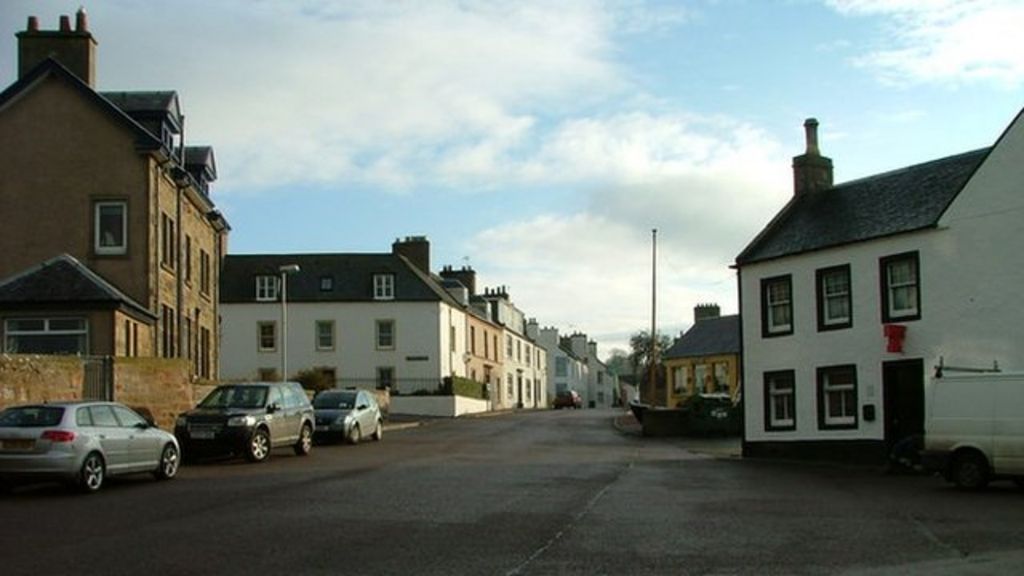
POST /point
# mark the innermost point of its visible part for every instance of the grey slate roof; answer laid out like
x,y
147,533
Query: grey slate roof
x,y
63,280
165,101
896,202
352,278
709,337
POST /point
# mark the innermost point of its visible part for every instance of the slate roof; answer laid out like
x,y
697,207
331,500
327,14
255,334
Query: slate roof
x,y
709,337
63,280
352,278
165,101
896,202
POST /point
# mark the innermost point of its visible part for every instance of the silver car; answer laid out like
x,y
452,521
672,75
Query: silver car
x,y
347,414
81,443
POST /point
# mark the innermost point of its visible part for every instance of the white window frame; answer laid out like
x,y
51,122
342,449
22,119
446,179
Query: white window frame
x,y
774,391
48,329
773,301
266,288
914,287
840,391
831,297
98,246
320,334
377,334
259,336
383,286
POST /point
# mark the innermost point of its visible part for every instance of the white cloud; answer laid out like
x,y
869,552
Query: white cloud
x,y
708,186
945,40
390,94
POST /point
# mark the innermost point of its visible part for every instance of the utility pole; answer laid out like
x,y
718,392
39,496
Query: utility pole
x,y
652,355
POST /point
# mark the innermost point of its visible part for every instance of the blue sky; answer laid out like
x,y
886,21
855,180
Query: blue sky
x,y
540,142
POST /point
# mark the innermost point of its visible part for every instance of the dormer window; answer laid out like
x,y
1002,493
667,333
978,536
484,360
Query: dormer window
x,y
383,286
266,288
326,283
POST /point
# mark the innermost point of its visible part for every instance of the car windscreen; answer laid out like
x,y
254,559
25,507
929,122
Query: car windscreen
x,y
31,416
335,400
236,397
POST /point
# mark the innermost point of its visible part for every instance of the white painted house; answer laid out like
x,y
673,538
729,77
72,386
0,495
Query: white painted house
x,y
855,292
524,366
369,320
566,371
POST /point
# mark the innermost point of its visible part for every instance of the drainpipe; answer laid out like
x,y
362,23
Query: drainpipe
x,y
179,276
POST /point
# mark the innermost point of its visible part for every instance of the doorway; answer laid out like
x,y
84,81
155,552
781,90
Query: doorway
x,y
903,385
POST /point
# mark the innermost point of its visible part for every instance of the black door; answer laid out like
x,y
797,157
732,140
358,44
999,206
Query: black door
x,y
903,384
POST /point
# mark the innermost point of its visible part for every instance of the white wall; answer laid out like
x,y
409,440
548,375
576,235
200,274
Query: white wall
x,y
422,350
970,285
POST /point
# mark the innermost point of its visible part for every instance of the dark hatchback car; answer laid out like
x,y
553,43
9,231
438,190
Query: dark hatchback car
x,y
568,399
248,419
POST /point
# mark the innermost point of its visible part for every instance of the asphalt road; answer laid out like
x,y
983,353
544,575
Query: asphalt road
x,y
532,493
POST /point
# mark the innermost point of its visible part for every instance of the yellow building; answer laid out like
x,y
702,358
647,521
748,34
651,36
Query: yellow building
x,y
706,359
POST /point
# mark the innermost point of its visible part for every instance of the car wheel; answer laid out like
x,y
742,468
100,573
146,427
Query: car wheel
x,y
970,471
356,435
92,474
258,448
170,459
305,443
378,434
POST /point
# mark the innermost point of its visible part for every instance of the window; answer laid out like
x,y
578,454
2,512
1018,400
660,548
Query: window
x,y
721,376
46,336
128,418
110,228
678,380
901,287
511,394
325,335
487,347
204,271
168,248
188,259
835,305
519,351
266,288
528,360
561,366
168,319
700,375
508,347
385,377
777,306
780,400
383,286
451,338
267,336
326,283
472,339
385,334
837,397
204,352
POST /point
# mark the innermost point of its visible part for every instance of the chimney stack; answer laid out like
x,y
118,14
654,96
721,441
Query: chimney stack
x,y
74,49
812,172
416,249
705,311
466,276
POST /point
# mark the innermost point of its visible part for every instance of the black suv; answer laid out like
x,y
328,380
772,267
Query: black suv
x,y
248,419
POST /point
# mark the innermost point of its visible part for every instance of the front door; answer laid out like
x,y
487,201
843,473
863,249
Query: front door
x,y
903,385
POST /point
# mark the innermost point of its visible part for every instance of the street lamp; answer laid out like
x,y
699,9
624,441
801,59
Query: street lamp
x,y
285,271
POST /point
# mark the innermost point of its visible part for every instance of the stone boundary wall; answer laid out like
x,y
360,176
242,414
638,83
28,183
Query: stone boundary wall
x,y
443,406
160,387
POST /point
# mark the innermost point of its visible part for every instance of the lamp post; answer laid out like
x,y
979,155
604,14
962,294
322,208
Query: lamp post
x,y
285,271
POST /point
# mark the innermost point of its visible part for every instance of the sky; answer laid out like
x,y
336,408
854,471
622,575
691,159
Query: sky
x,y
541,142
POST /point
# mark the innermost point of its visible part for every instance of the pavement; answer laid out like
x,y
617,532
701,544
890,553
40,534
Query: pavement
x,y
717,446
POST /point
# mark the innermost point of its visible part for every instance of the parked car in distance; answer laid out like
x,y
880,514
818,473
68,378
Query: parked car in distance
x,y
248,419
349,415
974,428
568,399
82,443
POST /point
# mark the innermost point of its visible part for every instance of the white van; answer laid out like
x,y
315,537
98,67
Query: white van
x,y
974,428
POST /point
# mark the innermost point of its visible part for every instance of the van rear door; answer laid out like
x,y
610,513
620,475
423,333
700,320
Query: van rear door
x,y
1008,426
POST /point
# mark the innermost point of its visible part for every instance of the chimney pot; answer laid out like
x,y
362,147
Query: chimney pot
x,y
33,24
81,20
811,133
65,23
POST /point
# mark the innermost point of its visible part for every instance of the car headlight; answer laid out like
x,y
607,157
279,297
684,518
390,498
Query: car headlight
x,y
242,421
345,420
